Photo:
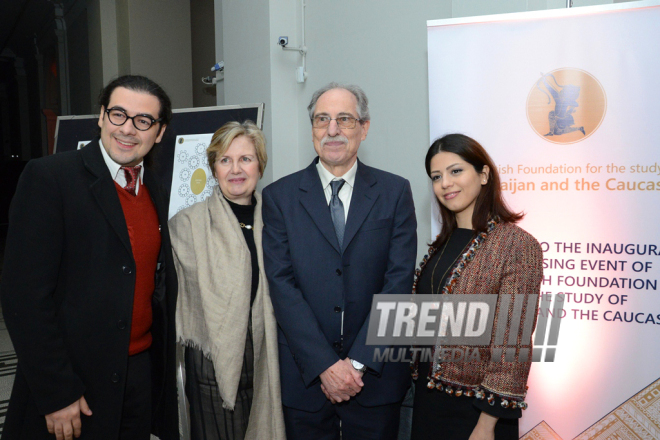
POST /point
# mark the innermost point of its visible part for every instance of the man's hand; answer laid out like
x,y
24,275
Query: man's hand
x,y
65,423
341,381
485,429
357,375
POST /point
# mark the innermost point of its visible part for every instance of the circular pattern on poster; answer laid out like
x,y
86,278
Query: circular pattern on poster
x,y
195,183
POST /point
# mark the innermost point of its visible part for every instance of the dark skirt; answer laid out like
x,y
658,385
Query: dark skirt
x,y
439,416
208,419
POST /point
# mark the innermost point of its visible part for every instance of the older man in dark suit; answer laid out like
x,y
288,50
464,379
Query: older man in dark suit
x,y
337,233
88,288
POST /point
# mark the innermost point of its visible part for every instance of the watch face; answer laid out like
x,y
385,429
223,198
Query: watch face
x,y
357,365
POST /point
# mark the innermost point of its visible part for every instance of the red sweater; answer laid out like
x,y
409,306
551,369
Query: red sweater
x,y
144,232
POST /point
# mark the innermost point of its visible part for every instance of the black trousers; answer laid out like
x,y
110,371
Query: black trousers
x,y
357,422
136,411
437,415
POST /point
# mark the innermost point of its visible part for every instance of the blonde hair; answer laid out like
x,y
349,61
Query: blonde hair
x,y
226,134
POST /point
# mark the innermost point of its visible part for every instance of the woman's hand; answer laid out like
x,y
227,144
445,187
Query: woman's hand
x,y
485,429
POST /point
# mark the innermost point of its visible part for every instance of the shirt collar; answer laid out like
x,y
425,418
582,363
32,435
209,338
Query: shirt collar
x,y
327,177
113,166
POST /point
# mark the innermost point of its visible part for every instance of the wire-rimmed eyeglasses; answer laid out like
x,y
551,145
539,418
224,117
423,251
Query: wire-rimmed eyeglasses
x,y
322,121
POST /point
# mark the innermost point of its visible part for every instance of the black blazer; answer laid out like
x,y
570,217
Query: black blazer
x,y
312,280
67,297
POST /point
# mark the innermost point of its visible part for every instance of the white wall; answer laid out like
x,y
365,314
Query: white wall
x,y
245,37
380,45
103,56
285,20
141,37
154,40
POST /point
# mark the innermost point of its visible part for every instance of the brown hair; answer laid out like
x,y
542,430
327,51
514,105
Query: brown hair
x,y
490,202
226,134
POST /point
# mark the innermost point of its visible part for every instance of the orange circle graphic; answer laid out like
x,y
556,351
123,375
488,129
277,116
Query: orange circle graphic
x,y
566,106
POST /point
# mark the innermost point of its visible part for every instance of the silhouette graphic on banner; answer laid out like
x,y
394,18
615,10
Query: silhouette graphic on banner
x,y
561,118
566,106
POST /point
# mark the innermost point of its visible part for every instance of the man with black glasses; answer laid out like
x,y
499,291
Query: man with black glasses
x,y
88,288
336,234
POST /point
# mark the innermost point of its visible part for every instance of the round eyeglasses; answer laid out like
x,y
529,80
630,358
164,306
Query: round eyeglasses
x,y
322,121
141,122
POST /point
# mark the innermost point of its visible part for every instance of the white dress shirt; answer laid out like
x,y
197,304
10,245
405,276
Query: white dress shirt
x,y
118,175
346,191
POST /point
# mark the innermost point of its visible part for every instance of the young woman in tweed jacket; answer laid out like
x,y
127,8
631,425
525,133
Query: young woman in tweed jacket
x,y
479,250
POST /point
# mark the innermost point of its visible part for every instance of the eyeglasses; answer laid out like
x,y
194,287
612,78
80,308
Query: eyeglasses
x,y
323,121
141,122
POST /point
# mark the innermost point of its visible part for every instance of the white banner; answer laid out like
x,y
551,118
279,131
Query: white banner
x,y
567,103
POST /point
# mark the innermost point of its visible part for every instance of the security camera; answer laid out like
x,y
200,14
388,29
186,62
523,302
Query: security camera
x,y
283,41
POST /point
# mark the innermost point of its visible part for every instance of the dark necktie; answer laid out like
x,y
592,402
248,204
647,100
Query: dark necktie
x,y
337,210
131,174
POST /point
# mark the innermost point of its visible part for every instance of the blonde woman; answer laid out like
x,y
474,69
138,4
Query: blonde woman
x,y
224,313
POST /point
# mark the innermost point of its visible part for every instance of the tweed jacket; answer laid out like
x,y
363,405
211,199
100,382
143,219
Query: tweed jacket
x,y
509,262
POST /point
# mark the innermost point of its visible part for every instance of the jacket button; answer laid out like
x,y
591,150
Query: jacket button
x,y
127,270
338,271
336,344
114,378
121,324
337,309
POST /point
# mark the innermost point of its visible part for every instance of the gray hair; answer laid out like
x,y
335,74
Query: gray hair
x,y
362,101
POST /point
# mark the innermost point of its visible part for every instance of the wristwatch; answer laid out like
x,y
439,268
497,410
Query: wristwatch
x,y
358,366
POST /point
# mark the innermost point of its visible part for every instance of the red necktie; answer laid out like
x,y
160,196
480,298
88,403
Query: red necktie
x,y
132,174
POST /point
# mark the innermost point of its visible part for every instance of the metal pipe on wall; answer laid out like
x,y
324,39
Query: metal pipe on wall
x,y
42,96
304,51
63,61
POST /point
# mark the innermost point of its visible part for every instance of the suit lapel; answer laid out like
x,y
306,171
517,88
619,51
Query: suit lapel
x,y
104,191
363,199
313,200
